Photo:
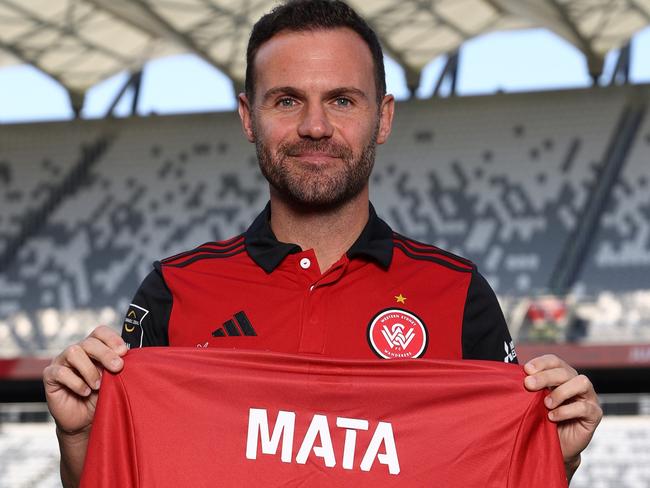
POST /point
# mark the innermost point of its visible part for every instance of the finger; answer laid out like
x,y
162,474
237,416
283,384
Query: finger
x,y
579,386
56,376
541,363
589,412
549,378
111,338
102,354
77,357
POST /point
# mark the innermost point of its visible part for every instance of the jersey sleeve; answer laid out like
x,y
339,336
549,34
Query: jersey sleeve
x,y
536,460
147,320
105,466
485,334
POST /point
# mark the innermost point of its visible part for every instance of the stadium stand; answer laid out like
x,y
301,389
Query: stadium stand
x,y
32,165
503,180
621,255
165,185
619,455
500,179
30,456
616,317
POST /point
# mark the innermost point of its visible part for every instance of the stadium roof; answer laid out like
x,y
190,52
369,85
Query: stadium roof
x,y
81,42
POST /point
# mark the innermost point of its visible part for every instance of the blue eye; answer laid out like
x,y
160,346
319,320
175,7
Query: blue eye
x,y
286,102
343,102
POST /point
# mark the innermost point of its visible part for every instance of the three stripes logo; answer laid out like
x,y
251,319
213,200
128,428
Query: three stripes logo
x,y
237,326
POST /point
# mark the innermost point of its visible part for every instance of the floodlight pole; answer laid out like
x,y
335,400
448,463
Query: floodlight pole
x,y
450,71
134,82
621,74
453,72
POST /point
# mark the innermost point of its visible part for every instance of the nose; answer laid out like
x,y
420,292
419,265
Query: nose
x,y
314,123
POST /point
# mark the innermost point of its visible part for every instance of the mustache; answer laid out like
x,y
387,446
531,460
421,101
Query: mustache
x,y
328,148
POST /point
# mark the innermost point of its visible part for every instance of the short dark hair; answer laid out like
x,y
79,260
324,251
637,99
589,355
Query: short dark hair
x,y
311,15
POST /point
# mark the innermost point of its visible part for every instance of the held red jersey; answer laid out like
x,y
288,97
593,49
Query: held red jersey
x,y
186,417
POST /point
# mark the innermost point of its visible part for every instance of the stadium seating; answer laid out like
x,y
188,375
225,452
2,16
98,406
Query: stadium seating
x,y
32,162
618,456
30,456
620,259
165,185
499,179
617,317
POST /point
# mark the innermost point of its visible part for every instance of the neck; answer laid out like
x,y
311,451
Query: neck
x,y
330,233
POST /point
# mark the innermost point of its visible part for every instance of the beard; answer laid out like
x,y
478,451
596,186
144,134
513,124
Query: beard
x,y
316,186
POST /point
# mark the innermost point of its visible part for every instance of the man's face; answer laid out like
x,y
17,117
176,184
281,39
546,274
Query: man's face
x,y
315,119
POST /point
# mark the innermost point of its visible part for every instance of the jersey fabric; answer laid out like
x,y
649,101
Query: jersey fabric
x,y
388,297
188,417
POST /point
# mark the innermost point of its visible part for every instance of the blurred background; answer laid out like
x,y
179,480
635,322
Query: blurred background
x,y
521,141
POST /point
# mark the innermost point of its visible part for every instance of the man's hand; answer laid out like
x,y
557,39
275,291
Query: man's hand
x,y
71,384
572,404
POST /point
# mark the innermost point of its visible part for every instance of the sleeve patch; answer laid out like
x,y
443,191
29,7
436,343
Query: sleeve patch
x,y
132,330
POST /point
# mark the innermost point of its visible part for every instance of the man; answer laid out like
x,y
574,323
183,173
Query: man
x,y
309,273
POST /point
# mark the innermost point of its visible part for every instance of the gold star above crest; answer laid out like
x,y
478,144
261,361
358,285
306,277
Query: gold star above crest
x,y
400,298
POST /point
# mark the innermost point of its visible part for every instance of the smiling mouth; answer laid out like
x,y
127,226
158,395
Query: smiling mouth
x,y
315,157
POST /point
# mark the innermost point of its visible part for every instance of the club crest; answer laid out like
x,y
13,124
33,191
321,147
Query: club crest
x,y
397,334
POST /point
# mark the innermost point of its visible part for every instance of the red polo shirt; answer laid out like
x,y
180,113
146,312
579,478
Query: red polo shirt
x,y
388,297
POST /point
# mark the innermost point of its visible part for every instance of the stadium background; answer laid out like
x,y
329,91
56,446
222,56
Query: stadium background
x,y
547,191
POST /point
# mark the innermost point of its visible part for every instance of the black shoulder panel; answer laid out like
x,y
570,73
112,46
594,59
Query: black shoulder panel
x,y
147,319
485,333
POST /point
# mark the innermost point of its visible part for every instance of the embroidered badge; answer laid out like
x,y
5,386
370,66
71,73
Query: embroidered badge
x,y
397,334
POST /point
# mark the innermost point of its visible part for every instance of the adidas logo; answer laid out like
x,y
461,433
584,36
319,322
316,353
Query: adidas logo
x,y
230,327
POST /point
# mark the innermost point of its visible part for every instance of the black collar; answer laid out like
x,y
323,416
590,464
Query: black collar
x,y
375,242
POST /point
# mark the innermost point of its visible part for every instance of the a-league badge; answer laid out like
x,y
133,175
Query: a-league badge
x,y
397,334
132,328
